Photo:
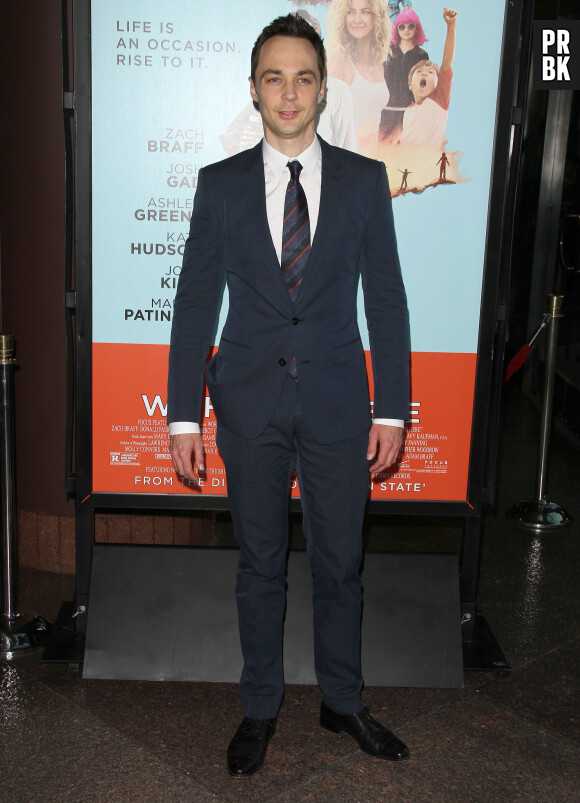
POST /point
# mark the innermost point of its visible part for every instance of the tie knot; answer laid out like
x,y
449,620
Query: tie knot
x,y
294,167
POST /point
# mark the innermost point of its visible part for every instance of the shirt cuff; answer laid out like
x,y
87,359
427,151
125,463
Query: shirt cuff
x,y
391,422
189,427
184,428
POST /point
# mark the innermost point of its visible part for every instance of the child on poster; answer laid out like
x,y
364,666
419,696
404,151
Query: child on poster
x,y
425,121
406,37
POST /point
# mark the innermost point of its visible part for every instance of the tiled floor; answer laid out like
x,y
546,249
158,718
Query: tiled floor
x,y
67,739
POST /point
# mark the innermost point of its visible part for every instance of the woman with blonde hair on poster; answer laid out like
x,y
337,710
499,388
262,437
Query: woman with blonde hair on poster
x,y
358,43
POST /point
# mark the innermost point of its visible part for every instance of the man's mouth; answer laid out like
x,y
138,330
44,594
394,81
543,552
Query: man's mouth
x,y
288,115
423,83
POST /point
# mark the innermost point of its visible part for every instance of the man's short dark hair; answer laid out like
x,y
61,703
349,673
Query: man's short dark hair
x,y
290,25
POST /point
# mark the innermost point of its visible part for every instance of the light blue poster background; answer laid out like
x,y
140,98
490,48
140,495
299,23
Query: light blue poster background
x,y
167,81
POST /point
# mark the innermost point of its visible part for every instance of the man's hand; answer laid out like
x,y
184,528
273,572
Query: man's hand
x,y
188,455
384,446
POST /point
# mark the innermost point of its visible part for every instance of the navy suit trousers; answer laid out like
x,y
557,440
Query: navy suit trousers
x,y
333,481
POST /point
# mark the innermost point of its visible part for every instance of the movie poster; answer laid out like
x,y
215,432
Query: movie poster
x,y
170,93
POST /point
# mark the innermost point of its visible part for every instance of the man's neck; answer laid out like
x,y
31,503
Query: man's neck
x,y
289,147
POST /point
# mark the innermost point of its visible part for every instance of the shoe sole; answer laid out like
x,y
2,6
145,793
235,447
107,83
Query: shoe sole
x,y
337,729
242,775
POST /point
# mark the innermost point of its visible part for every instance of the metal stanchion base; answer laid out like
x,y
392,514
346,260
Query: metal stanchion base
x,y
539,516
481,652
65,645
32,634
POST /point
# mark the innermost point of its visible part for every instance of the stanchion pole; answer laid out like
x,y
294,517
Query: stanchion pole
x,y
539,514
35,632
8,613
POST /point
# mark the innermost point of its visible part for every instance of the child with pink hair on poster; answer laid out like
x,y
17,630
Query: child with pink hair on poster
x,y
406,37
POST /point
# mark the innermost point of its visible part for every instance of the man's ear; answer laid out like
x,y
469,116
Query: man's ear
x,y
253,92
322,91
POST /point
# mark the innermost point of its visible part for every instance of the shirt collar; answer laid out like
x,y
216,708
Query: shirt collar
x,y
276,161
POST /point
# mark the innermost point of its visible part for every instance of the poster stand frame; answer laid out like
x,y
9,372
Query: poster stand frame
x,y
480,649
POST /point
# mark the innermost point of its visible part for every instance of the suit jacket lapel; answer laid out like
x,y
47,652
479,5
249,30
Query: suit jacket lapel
x,y
329,204
255,199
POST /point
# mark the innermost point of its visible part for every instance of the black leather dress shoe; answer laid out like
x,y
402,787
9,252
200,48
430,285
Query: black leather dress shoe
x,y
247,749
372,737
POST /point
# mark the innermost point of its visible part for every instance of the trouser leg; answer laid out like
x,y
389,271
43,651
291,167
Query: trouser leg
x,y
258,473
333,481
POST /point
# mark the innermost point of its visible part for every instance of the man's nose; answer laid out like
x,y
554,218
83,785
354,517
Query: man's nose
x,y
289,90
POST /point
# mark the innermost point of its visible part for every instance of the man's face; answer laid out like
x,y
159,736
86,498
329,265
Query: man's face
x,y
423,82
288,88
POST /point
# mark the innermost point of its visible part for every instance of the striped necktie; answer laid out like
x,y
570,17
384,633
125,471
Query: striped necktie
x,y
295,232
295,239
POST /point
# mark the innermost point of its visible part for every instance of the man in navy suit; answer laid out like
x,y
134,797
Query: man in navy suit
x,y
291,225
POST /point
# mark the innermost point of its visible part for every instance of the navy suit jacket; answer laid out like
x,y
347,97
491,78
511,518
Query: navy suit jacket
x,y
230,240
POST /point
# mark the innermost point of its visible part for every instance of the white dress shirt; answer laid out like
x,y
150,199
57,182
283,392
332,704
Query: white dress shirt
x,y
276,177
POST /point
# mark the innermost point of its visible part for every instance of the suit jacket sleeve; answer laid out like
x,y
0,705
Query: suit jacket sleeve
x,y
197,300
386,308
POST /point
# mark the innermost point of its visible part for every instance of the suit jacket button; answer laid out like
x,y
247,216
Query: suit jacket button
x,y
281,361
294,321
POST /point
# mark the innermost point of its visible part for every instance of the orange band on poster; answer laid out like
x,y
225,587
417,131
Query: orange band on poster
x,y
435,461
131,443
